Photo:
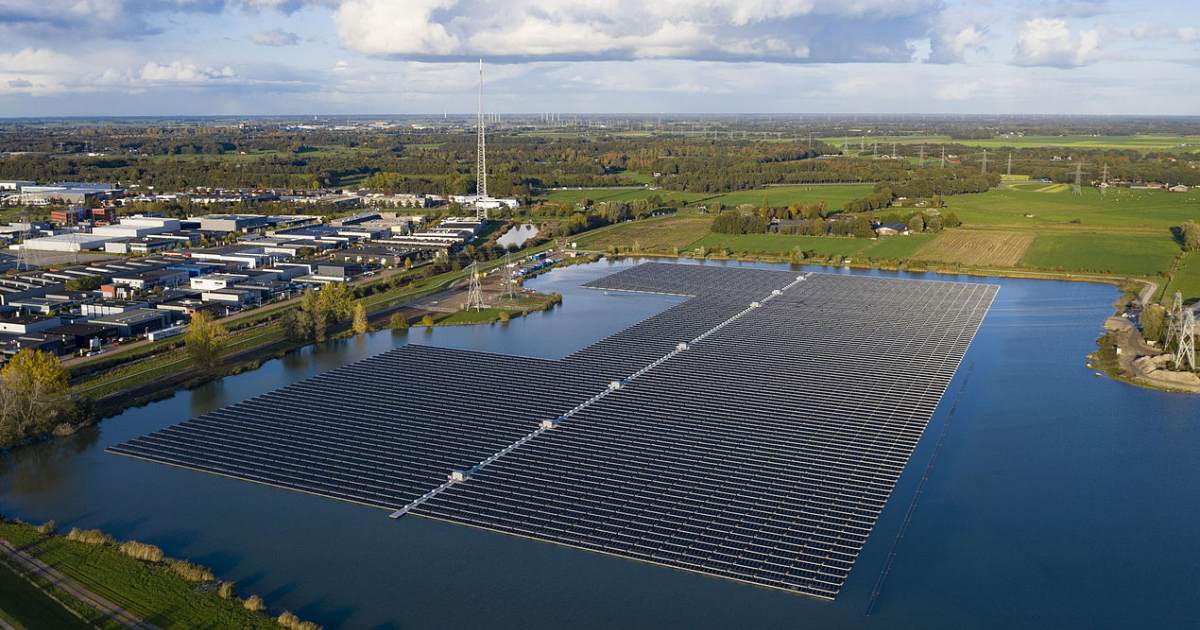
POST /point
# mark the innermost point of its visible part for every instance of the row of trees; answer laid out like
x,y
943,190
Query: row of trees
x,y
318,310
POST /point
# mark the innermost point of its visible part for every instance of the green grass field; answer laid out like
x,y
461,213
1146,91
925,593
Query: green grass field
x,y
149,590
26,607
1186,280
653,235
619,194
892,248
1138,142
1132,254
1118,208
836,195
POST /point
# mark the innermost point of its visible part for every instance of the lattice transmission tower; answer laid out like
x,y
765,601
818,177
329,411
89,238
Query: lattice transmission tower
x,y
1185,354
1173,320
474,289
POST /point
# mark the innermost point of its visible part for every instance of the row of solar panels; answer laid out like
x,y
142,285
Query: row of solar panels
x,y
763,453
770,439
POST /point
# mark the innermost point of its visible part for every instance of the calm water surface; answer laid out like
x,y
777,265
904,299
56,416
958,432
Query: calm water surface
x,y
517,235
1057,499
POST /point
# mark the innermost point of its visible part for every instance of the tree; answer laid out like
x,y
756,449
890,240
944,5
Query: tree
x,y
427,321
1153,318
33,395
1190,232
313,318
916,223
203,341
398,322
360,324
296,325
85,283
862,227
934,223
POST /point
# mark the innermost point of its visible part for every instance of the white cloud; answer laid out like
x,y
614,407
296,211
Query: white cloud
x,y
957,90
952,43
570,30
182,72
275,37
35,71
1150,32
1050,42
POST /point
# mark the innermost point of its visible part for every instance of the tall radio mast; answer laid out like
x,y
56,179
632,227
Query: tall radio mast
x,y
480,150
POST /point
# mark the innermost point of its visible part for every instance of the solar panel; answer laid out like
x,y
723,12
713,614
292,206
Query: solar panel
x,y
752,432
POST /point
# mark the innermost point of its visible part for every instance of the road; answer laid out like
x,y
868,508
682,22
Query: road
x,y
32,566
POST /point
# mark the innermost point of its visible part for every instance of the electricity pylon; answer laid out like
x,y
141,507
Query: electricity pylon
x,y
1174,320
1185,354
474,289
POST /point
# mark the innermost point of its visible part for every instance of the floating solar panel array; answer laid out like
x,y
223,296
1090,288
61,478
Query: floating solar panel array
x,y
753,432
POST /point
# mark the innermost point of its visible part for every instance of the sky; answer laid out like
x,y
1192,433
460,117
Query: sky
x,y
301,57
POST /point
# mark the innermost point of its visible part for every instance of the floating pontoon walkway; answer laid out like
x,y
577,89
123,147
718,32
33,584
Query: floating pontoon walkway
x,y
753,432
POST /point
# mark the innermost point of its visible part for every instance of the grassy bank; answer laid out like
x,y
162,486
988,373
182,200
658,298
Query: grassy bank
x,y
166,592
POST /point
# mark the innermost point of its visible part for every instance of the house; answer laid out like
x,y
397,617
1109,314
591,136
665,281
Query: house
x,y
891,229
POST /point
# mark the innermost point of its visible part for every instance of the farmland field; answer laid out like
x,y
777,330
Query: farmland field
x,y
575,195
1042,187
1186,280
1138,142
1133,254
653,235
836,195
892,248
984,247
1118,208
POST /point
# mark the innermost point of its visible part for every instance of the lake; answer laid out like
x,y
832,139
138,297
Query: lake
x,y
1052,498
517,235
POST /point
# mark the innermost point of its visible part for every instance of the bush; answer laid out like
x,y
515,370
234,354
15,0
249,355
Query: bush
x,y
191,572
291,621
141,551
255,603
89,536
504,317
225,590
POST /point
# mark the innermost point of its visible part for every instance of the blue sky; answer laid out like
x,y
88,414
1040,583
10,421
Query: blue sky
x,y
245,57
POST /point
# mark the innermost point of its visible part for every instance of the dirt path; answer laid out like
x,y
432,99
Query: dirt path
x,y
63,583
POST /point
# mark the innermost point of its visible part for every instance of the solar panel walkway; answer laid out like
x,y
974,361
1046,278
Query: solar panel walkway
x,y
752,432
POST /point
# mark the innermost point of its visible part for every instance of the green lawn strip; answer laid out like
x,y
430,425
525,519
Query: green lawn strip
x,y
24,605
1186,279
1136,255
